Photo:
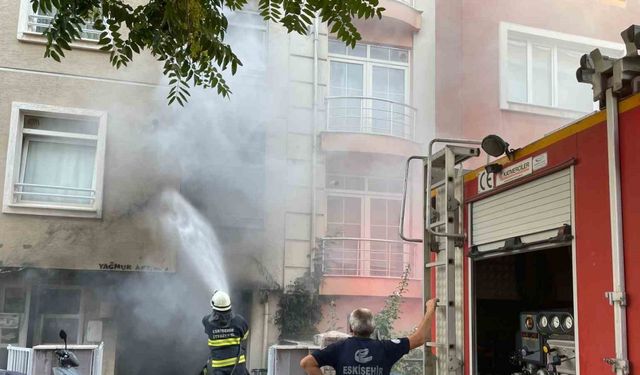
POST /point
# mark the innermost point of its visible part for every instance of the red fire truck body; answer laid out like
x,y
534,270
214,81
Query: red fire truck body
x,y
560,181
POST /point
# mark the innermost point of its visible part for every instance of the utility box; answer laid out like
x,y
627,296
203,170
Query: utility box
x,y
89,356
285,359
327,338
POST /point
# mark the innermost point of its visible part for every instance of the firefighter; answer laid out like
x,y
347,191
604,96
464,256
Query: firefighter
x,y
228,334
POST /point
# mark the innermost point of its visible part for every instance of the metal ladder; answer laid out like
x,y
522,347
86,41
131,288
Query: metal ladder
x,y
444,236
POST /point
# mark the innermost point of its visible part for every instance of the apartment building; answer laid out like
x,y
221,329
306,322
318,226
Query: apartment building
x,y
378,110
302,168
515,63
70,177
314,171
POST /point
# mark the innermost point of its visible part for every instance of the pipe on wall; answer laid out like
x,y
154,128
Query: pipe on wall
x,y
314,131
618,296
265,332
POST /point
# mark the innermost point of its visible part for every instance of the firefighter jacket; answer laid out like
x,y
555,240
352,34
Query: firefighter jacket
x,y
227,343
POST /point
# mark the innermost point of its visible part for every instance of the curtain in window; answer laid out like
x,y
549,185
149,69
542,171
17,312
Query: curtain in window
x,y
388,118
517,68
343,220
387,259
541,75
60,165
571,93
346,80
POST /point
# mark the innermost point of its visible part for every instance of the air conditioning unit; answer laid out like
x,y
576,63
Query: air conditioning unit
x,y
285,359
41,359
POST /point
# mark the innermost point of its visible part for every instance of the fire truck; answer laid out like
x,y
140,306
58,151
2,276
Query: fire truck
x,y
533,255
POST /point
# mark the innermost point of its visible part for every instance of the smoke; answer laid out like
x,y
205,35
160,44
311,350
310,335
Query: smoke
x,y
214,215
211,214
161,327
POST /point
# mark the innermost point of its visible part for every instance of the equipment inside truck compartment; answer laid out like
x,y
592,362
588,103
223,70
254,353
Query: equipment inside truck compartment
x,y
524,313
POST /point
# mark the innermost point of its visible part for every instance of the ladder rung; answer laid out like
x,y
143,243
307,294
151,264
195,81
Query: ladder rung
x,y
438,224
433,344
437,185
434,264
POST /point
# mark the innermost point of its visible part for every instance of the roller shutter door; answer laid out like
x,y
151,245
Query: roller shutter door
x,y
535,209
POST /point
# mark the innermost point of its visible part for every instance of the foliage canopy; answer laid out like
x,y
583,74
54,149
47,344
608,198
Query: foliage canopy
x,y
188,36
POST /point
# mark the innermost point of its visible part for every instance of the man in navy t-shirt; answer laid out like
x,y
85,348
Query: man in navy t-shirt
x,y
361,355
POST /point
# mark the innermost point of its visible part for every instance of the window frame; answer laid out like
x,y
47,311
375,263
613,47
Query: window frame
x,y
365,206
80,316
264,27
24,35
364,252
369,63
24,317
16,159
550,39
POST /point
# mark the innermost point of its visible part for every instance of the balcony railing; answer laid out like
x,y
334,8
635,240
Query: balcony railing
x,y
49,193
367,257
39,23
361,114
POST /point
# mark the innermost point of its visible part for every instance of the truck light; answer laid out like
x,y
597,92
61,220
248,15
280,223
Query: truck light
x,y
496,146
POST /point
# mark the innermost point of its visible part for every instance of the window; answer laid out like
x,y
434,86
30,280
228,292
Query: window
x,y
55,161
363,212
538,71
344,219
387,258
247,33
59,308
33,24
13,302
369,89
367,223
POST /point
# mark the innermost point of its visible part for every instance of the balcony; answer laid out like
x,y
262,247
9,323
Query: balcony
x,y
367,267
400,21
368,115
344,256
369,125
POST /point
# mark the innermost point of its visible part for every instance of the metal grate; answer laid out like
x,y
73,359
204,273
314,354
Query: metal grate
x,y
19,359
361,114
39,23
366,257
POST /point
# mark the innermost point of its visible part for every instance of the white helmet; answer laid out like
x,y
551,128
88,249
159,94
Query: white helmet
x,y
220,301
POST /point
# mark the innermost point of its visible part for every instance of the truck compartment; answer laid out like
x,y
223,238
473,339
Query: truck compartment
x,y
516,299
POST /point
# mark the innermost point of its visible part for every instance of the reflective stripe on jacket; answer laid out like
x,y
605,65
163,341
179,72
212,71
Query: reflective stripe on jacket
x,y
226,341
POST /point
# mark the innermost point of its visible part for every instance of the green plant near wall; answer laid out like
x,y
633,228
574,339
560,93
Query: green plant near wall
x,y
299,308
334,320
385,319
410,364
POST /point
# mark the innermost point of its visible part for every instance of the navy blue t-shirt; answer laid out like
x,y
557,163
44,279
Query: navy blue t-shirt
x,y
361,356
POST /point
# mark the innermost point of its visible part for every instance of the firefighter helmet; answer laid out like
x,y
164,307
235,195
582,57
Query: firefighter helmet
x,y
220,301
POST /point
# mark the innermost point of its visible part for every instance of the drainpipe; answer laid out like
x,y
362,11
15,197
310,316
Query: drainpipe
x,y
316,26
265,332
617,297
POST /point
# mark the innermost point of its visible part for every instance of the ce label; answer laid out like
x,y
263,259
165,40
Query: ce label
x,y
486,181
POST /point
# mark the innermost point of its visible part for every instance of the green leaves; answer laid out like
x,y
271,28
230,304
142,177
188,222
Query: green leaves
x,y
187,36
299,309
386,318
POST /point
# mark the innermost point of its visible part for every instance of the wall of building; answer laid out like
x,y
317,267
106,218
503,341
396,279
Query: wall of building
x,y
468,88
377,155
129,181
337,312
